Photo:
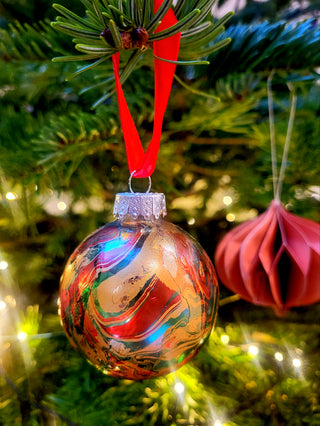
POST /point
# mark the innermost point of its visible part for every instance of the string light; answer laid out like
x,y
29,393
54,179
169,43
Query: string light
x,y
10,300
22,335
253,213
61,205
227,200
225,179
225,339
3,305
278,356
296,362
191,221
179,388
230,217
57,204
217,423
3,265
11,196
253,350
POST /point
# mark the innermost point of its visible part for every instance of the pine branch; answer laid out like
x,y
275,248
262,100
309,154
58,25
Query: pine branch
x,y
23,400
207,115
71,138
262,47
35,42
112,26
46,126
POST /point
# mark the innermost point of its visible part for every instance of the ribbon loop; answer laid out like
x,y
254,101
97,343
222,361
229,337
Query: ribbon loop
x,y
140,162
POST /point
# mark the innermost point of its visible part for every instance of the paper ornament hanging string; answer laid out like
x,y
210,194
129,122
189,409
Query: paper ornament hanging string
x,y
140,162
274,259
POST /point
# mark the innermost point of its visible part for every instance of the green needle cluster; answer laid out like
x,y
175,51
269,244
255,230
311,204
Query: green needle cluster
x,y
115,25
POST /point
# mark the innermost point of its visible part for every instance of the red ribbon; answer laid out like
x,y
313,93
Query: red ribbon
x,y
143,163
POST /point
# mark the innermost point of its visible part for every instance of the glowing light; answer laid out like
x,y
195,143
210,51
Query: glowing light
x,y
188,178
225,179
61,205
3,265
22,336
11,196
253,350
278,356
225,339
3,305
10,300
179,387
230,217
253,212
191,221
227,200
296,362
217,423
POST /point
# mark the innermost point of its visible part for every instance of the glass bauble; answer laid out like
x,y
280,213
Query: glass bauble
x,y
138,298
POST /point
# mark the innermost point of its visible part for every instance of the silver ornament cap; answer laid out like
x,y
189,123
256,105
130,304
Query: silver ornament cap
x,y
140,205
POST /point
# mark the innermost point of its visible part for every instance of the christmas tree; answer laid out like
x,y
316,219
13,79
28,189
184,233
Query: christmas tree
x,y
62,160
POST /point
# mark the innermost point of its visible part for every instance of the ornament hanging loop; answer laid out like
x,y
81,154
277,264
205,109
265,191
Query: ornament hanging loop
x,y
130,186
278,180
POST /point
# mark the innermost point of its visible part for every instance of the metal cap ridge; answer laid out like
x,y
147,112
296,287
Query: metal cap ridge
x,y
140,205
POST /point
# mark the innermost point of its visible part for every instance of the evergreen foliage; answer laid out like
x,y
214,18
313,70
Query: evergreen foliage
x,y
54,147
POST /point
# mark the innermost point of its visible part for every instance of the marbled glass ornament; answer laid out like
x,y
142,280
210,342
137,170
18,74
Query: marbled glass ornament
x,y
138,298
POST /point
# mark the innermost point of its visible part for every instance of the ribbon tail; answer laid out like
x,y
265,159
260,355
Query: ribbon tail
x,y
134,150
144,162
164,73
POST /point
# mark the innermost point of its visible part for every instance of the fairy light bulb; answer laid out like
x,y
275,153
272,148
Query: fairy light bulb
x,y
230,217
296,362
10,301
253,350
22,335
278,356
225,339
227,200
3,265
11,196
179,388
61,205
3,305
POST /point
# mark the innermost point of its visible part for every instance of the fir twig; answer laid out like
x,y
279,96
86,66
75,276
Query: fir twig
x,y
35,404
292,48
110,27
195,91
